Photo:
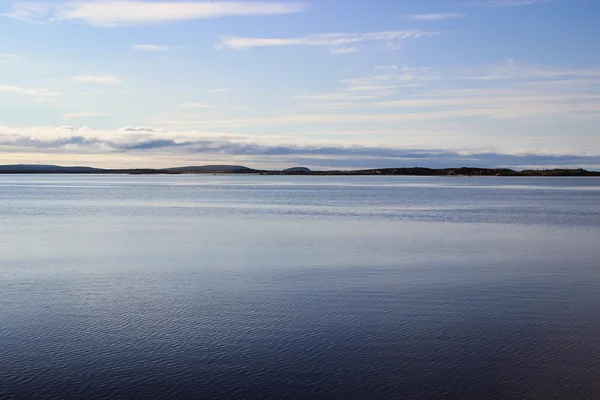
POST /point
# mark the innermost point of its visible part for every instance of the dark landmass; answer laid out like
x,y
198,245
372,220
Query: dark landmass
x,y
211,169
296,170
54,169
238,169
41,169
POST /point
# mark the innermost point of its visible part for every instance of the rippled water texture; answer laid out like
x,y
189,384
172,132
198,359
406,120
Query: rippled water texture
x,y
156,287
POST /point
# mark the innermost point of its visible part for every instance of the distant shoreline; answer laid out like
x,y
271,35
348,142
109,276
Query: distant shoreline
x,y
241,170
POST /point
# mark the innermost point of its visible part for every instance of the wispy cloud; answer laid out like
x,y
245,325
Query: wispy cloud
x,y
378,102
8,56
196,105
29,11
512,69
435,17
511,3
371,88
221,90
151,47
502,104
457,104
85,114
102,79
336,96
117,13
336,42
376,86
512,111
28,91
343,50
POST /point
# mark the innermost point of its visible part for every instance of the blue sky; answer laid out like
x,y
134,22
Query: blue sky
x,y
325,83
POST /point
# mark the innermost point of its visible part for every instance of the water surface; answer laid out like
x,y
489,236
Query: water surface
x,y
154,287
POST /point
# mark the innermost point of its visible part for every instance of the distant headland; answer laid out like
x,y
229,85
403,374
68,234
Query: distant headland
x,y
238,169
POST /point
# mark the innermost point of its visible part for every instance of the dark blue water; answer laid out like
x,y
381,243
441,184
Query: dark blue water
x,y
199,287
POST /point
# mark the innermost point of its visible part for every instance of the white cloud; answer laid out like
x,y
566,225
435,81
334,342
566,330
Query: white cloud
x,y
435,17
196,105
8,56
222,90
334,41
103,79
117,13
28,91
85,114
150,47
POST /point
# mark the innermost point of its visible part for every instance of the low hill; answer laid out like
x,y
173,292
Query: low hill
x,y
435,171
206,169
297,170
45,169
559,172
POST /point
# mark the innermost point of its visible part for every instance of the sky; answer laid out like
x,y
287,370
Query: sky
x,y
328,84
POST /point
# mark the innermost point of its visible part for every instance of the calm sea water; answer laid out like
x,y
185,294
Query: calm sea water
x,y
248,287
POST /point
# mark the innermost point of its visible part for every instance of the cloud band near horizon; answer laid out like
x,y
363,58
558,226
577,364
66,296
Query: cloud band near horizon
x,y
148,142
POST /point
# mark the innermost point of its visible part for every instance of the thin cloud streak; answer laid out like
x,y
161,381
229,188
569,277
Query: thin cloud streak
x,y
150,47
377,86
196,105
515,3
28,91
337,96
336,42
85,114
111,13
591,101
344,50
102,79
435,17
511,69
512,112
